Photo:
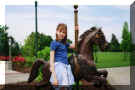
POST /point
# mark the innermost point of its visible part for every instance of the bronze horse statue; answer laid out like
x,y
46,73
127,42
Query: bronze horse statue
x,y
82,64
88,39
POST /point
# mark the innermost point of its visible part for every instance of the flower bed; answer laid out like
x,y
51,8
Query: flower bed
x,y
4,58
18,64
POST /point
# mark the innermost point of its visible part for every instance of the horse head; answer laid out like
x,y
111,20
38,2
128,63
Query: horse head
x,y
100,40
93,36
88,39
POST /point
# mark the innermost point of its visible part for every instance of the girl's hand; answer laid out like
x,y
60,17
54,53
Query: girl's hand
x,y
55,82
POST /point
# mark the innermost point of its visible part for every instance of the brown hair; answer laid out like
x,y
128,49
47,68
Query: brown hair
x,y
61,27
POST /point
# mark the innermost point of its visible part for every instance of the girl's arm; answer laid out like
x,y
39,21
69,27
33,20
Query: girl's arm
x,y
52,69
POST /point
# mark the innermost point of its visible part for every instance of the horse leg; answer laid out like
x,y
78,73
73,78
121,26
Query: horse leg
x,y
87,85
34,70
77,84
46,76
103,72
44,83
46,72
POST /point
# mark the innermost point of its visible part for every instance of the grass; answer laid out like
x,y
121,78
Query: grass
x,y
112,59
105,59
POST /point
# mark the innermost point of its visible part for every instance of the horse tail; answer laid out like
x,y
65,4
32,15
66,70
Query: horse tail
x,y
34,70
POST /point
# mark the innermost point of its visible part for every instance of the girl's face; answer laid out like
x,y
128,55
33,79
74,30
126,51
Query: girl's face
x,y
61,34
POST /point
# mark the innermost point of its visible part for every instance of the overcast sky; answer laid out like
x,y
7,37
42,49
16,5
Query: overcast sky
x,y
20,19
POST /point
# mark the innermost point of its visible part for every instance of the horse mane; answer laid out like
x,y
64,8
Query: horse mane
x,y
82,37
87,32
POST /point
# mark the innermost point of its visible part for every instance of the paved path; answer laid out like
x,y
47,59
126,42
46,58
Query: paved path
x,y
116,76
119,76
14,77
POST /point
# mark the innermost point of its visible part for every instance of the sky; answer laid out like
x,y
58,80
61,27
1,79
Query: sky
x,y
21,19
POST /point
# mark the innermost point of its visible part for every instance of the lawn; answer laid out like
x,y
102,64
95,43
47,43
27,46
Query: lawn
x,y
112,59
105,59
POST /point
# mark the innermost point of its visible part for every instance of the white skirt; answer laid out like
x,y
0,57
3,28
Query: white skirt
x,y
63,73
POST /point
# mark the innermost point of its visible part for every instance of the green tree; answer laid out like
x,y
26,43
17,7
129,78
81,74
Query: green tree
x,y
4,47
115,46
28,49
4,43
108,49
44,40
96,49
15,49
125,45
70,42
126,40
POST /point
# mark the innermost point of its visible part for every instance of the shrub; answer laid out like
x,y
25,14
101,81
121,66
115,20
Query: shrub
x,y
45,53
29,61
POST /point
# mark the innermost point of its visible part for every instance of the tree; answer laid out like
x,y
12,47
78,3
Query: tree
x,y
4,47
15,49
44,40
4,43
28,49
126,40
115,46
96,48
69,50
108,49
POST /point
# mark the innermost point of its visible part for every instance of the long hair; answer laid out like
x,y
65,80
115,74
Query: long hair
x,y
62,27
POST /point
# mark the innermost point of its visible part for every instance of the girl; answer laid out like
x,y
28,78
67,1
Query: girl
x,y
59,66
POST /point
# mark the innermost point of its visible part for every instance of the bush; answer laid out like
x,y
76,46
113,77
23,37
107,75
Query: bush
x,y
29,61
45,53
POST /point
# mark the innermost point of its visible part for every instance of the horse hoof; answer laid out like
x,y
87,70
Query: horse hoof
x,y
103,73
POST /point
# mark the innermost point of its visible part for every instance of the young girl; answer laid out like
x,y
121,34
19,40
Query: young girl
x,y
59,66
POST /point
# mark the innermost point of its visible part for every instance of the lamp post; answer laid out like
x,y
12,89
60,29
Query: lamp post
x,y
36,30
10,55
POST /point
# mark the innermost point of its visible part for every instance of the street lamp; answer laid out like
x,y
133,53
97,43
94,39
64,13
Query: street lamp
x,y
10,55
36,29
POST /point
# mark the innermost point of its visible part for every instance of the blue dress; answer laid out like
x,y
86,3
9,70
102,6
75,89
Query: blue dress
x,y
62,68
